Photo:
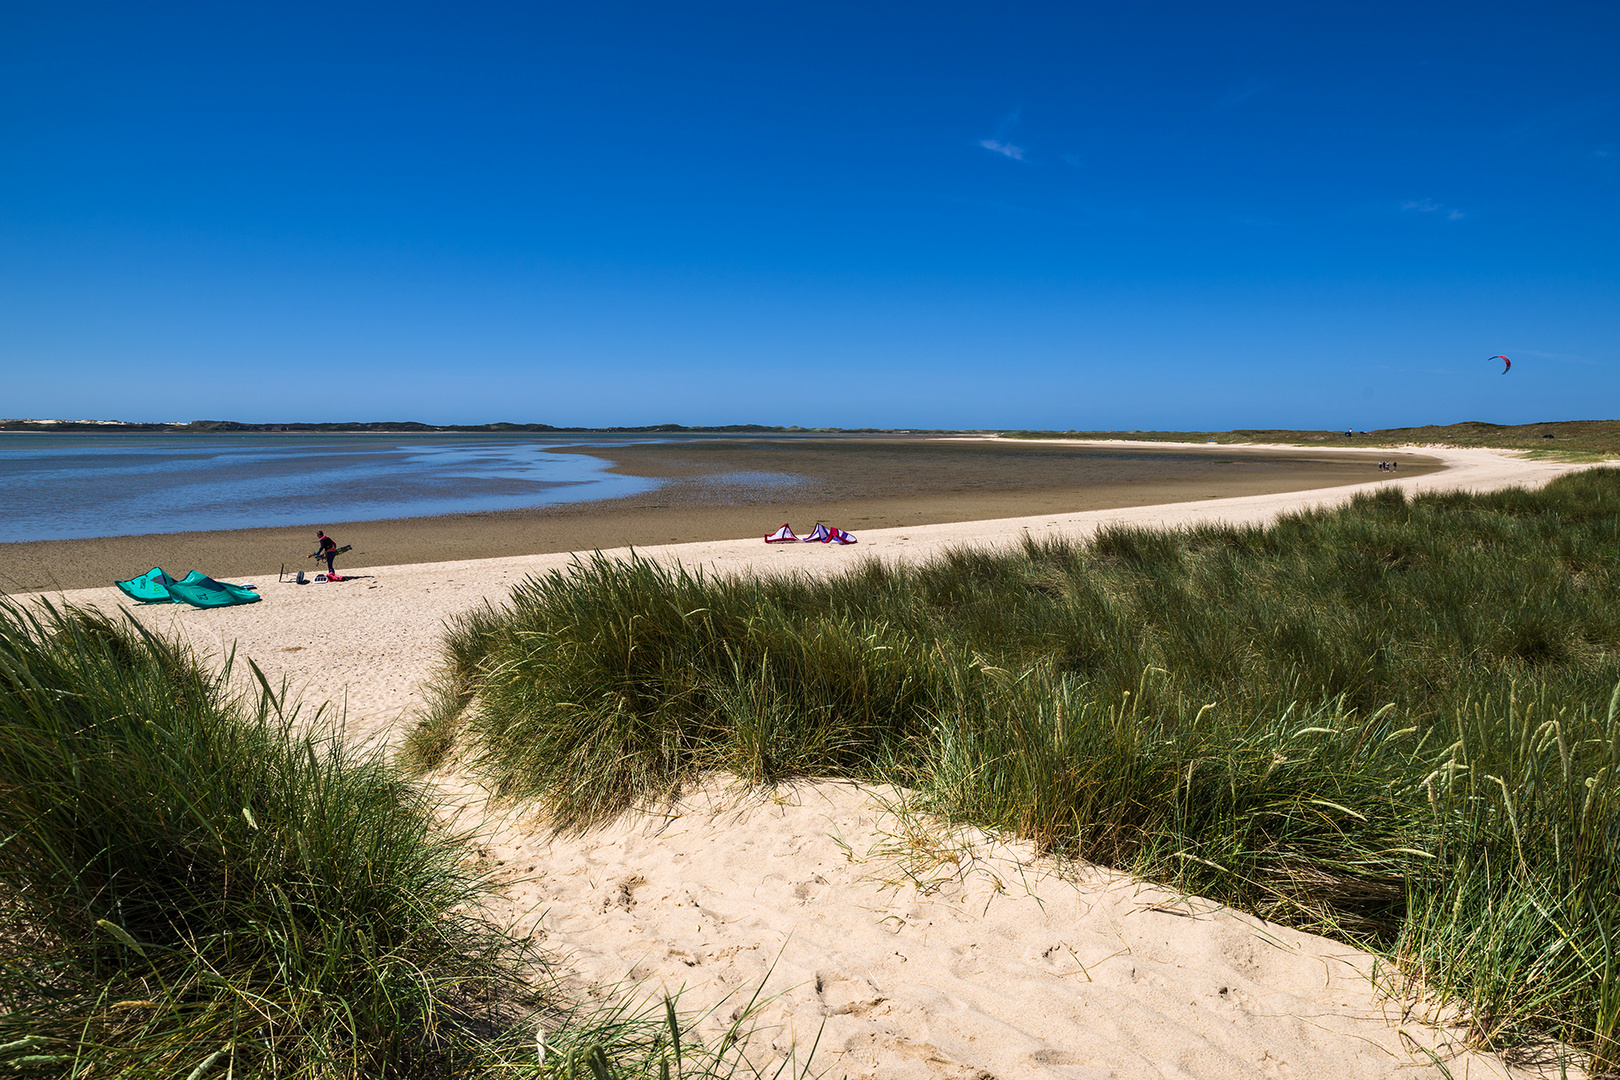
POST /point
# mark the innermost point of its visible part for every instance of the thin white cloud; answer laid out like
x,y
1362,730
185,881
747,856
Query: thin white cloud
x,y
1001,142
1236,96
1006,149
1429,206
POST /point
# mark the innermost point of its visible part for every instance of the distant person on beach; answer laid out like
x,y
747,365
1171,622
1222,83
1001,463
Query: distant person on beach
x,y
328,550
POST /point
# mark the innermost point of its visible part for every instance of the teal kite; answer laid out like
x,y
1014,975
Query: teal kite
x,y
200,590
196,589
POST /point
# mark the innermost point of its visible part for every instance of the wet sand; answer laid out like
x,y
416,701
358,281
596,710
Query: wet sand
x,y
733,489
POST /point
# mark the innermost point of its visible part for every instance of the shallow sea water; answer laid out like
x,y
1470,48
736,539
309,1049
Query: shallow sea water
x,y
57,487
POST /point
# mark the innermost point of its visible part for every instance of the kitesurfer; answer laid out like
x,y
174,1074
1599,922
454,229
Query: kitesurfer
x,y
328,550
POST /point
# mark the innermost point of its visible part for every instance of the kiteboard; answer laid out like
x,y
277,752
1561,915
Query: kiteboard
x,y
335,554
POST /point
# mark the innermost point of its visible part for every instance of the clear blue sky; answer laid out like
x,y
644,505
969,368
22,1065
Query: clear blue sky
x,y
946,215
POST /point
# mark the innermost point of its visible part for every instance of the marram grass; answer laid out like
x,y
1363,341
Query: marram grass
x,y
192,889
189,887
1394,721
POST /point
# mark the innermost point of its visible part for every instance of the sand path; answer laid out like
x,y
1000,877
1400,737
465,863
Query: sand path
x,y
911,953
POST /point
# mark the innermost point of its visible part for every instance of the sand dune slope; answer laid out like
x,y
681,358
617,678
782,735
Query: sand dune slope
x,y
909,951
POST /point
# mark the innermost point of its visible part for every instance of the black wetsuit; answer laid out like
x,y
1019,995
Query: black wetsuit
x,y
328,549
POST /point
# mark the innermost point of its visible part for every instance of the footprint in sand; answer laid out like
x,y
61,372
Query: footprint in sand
x,y
622,893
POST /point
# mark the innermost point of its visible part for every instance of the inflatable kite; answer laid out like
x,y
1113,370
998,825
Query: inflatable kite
x,y
196,589
1506,363
200,590
151,587
157,587
823,535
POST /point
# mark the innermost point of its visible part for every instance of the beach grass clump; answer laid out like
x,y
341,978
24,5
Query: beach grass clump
x,y
611,685
1388,721
197,884
1289,814
1519,911
190,889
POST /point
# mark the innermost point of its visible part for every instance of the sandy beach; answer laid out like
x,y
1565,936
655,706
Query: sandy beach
x,y
907,951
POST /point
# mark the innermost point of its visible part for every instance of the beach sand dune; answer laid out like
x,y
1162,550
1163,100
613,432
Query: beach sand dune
x,y
903,950
910,952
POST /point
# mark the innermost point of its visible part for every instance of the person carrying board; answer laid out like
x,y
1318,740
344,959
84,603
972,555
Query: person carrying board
x,y
328,550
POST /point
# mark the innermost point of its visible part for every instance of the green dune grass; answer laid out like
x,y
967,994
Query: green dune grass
x,y
1394,722
183,879
192,889
1570,440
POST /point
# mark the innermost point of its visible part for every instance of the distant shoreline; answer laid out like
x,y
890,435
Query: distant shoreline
x,y
409,427
1582,439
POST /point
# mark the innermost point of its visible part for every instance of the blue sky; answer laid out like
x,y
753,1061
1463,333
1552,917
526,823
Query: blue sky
x,y
1190,216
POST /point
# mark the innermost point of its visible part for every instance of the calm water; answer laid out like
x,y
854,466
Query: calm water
x,y
55,487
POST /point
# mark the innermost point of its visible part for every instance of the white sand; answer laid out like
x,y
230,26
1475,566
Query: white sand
x,y
857,919
914,952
